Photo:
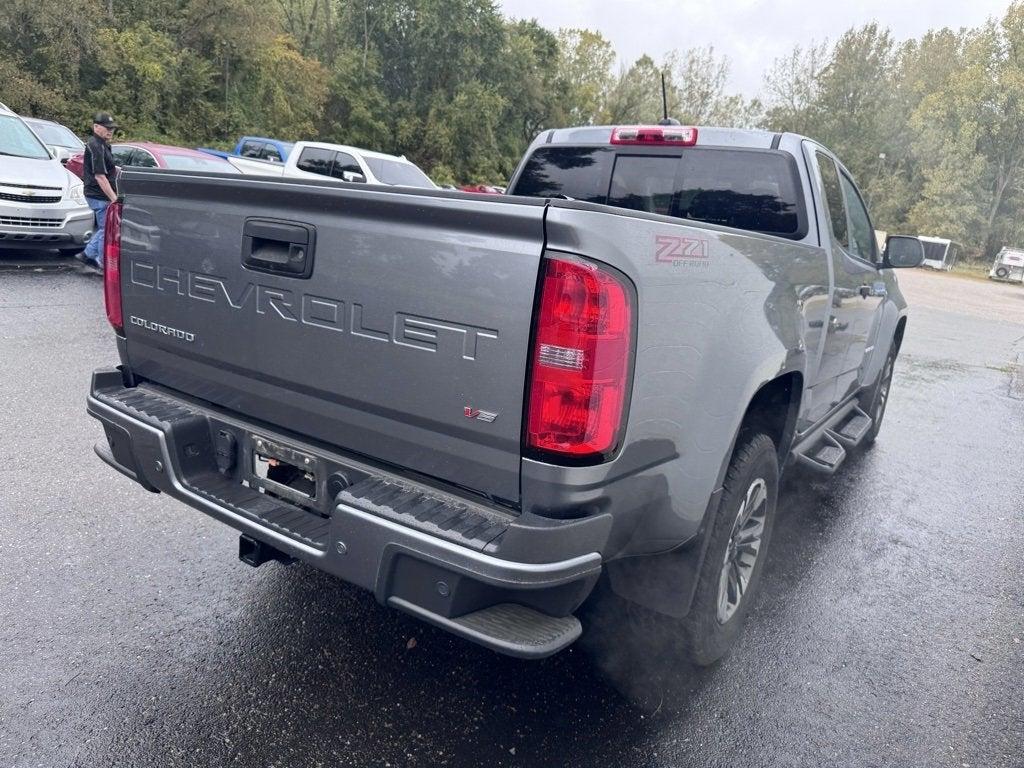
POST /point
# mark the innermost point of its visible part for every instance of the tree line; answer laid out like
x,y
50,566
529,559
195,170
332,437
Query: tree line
x,y
932,128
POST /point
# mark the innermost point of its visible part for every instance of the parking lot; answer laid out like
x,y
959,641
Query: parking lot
x,y
889,632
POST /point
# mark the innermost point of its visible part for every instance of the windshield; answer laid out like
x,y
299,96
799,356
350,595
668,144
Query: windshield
x,y
752,190
16,139
55,134
193,163
399,173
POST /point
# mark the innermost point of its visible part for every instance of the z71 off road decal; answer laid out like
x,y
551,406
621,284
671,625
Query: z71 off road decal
x,y
673,249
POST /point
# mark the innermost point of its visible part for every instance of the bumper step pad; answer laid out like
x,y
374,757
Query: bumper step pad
x,y
509,628
444,518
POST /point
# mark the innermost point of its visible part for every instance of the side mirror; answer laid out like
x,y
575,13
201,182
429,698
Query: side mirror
x,y
902,251
353,176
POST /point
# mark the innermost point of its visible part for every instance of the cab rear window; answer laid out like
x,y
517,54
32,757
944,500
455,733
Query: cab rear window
x,y
755,190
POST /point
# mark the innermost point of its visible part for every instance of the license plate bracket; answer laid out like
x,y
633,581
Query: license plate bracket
x,y
284,472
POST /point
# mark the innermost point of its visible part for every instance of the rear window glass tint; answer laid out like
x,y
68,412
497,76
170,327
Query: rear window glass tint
x,y
577,172
756,191
644,184
747,189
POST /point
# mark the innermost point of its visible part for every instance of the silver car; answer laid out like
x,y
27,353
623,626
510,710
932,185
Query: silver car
x,y
59,139
42,205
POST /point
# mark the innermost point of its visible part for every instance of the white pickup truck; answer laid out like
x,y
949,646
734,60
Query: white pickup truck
x,y
313,159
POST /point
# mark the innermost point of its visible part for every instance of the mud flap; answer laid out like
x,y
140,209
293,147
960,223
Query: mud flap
x,y
665,582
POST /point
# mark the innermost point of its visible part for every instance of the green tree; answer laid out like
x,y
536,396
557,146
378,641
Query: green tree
x,y
698,91
970,141
584,74
636,95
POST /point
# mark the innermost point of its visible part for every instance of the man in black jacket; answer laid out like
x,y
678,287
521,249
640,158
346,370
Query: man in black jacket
x,y
99,174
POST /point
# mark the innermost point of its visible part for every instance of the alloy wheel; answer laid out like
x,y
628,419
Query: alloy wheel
x,y
742,550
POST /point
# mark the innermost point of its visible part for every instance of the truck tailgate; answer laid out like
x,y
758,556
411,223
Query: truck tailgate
x,y
388,323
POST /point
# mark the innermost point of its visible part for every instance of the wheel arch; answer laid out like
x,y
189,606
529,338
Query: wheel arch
x,y
901,327
773,409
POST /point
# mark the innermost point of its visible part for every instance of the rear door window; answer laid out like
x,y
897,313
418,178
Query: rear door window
x,y
834,205
123,156
398,173
343,162
143,159
580,173
251,149
315,160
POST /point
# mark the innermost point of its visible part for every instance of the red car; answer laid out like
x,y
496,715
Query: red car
x,y
144,154
482,189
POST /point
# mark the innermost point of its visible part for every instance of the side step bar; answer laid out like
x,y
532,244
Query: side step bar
x,y
508,628
826,448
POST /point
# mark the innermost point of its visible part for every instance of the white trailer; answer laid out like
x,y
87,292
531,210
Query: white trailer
x,y
1008,266
940,253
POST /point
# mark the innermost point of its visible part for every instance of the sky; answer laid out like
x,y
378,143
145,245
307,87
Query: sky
x,y
752,33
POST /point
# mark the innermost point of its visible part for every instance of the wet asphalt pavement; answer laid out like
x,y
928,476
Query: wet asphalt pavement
x,y
889,632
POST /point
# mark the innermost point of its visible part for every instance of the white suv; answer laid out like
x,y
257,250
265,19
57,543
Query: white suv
x,y
42,206
344,163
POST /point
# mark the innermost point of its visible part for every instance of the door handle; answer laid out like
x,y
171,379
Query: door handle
x,y
278,247
877,290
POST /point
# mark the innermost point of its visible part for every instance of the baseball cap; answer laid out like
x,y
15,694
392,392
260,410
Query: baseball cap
x,y
104,119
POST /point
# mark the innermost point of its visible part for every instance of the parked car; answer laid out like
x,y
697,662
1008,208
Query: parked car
x,y
42,206
59,139
145,154
474,406
1008,266
338,162
256,148
482,189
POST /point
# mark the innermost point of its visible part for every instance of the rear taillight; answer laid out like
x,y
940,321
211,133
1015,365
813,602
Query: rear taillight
x,y
580,362
655,135
112,266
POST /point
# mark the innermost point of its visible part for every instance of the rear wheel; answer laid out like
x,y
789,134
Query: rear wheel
x,y
878,398
730,573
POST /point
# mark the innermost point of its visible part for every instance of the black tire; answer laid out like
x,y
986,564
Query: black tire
x,y
708,631
876,400
1002,272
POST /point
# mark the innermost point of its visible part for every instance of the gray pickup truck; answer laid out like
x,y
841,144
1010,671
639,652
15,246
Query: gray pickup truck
x,y
478,406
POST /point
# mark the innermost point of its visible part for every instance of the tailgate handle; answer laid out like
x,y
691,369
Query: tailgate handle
x,y
278,247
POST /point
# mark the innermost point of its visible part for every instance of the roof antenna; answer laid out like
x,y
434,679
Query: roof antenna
x,y
665,120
